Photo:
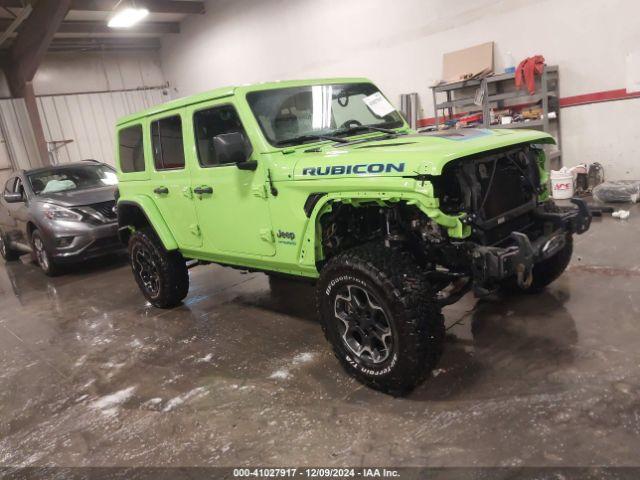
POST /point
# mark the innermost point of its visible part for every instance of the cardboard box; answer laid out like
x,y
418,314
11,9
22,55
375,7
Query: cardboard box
x,y
472,62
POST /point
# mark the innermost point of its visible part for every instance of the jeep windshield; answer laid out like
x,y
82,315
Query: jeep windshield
x,y
298,115
76,177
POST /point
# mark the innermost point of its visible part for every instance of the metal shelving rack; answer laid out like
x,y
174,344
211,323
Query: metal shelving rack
x,y
498,92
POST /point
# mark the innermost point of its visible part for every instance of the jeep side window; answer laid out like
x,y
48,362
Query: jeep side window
x,y
130,149
166,141
210,123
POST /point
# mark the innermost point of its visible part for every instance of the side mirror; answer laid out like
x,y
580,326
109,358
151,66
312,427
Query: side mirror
x,y
248,165
232,148
13,197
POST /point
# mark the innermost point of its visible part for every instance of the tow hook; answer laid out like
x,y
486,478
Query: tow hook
x,y
524,260
524,276
583,219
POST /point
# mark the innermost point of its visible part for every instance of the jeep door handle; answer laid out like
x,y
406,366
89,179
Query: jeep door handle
x,y
161,190
204,189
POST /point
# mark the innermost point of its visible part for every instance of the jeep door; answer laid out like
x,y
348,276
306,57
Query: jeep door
x,y
170,182
231,203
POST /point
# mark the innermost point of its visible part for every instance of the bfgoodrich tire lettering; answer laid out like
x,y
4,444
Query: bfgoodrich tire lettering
x,y
161,275
398,291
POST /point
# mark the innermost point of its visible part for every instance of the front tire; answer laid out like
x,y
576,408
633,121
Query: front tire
x,y
8,253
42,256
377,312
161,275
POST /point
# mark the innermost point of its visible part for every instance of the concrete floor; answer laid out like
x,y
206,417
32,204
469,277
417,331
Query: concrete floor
x,y
241,375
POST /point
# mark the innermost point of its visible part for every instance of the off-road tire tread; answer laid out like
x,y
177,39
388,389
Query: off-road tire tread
x,y
418,319
174,275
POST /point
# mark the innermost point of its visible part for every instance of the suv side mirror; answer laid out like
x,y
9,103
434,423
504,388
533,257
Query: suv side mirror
x,y
247,165
13,197
233,148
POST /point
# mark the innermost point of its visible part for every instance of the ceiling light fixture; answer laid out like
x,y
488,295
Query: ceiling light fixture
x,y
127,17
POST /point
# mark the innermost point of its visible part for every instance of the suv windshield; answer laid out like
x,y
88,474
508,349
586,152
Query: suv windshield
x,y
292,116
77,177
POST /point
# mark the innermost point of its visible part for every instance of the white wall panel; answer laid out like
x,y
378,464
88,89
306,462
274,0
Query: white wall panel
x,y
70,109
20,140
399,45
67,73
5,157
89,121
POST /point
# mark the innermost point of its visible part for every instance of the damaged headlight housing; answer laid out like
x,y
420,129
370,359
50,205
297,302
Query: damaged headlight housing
x,y
56,212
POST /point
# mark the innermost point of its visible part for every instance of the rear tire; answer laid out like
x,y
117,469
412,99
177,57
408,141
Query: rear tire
x,y
8,253
161,275
544,272
378,313
42,256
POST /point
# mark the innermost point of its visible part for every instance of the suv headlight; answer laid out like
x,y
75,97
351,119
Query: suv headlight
x,y
56,212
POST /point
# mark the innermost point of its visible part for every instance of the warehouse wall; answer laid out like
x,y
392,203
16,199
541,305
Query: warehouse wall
x,y
90,72
400,47
89,121
80,96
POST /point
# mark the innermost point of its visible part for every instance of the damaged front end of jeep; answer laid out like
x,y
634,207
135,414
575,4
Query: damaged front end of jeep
x,y
489,220
514,224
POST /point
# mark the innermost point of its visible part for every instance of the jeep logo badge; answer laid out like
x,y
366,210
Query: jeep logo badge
x,y
286,235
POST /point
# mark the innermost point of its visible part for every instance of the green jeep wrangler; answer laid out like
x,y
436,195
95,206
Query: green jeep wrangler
x,y
324,180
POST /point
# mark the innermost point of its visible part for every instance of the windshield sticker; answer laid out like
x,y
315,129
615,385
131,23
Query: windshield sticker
x,y
379,105
360,169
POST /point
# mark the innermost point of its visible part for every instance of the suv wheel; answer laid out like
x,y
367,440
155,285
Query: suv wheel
x,y
161,275
544,272
377,312
8,253
42,256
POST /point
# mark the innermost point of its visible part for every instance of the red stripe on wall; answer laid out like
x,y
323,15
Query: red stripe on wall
x,y
574,101
606,96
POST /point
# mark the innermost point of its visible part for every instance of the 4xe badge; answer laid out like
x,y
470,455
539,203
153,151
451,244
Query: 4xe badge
x,y
286,237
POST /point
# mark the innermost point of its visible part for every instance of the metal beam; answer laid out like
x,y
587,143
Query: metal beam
x,y
159,28
104,44
154,6
155,28
62,44
15,23
36,123
33,41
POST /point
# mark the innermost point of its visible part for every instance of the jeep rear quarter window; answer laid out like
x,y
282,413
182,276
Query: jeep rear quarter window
x,y
166,140
210,123
131,152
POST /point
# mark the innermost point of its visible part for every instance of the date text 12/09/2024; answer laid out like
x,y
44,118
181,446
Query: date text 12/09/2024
x,y
315,472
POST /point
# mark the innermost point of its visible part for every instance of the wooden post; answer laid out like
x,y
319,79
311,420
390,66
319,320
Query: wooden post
x,y
26,54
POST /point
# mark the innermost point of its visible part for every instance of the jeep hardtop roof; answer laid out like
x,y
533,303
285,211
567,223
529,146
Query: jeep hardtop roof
x,y
231,91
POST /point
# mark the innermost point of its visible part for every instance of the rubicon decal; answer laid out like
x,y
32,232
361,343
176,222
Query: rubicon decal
x,y
359,169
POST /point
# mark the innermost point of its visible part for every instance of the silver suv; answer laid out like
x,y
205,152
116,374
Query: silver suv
x,y
59,214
